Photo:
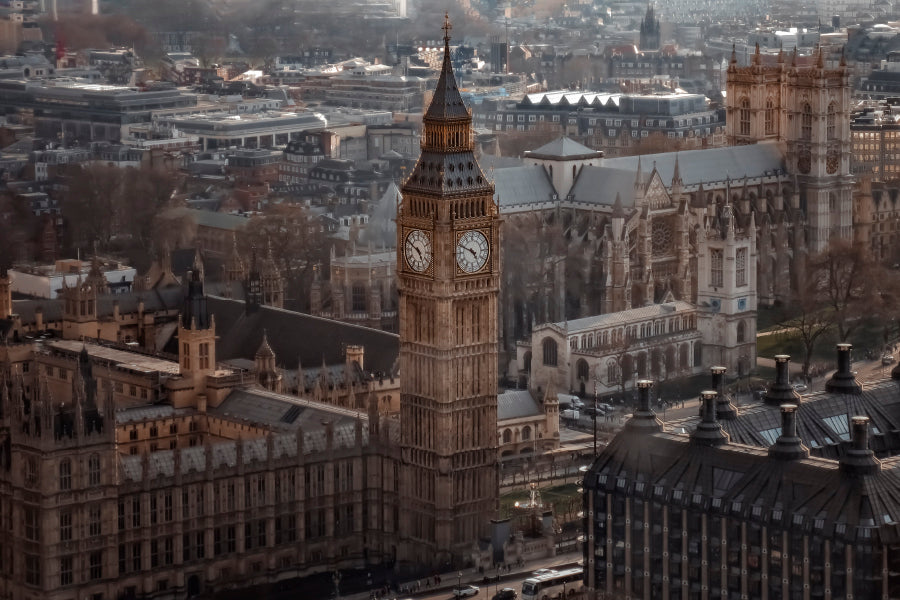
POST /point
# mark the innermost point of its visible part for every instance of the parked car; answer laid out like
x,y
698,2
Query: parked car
x,y
570,413
887,359
540,572
506,594
464,591
605,407
591,411
800,387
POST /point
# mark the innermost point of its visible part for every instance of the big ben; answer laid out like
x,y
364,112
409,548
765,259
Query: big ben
x,y
448,263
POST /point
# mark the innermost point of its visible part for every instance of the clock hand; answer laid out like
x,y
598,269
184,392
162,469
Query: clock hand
x,y
419,252
474,255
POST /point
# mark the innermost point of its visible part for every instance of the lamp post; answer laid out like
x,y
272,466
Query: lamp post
x,y
458,580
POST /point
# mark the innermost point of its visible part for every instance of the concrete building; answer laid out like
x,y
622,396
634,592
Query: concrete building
x,y
47,281
251,130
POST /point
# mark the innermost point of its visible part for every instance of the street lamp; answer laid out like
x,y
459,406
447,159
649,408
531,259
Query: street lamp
x,y
458,582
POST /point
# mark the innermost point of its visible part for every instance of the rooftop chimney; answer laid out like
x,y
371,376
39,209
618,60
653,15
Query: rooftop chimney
x,y
843,381
644,419
859,459
781,392
724,408
708,431
788,446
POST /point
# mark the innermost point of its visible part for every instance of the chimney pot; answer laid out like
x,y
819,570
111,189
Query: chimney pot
x,y
859,458
788,446
781,391
644,419
843,380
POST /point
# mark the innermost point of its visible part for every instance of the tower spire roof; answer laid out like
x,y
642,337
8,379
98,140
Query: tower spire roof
x,y
447,103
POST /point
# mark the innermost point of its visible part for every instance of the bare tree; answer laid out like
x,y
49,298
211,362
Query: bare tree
x,y
810,318
850,283
297,243
90,205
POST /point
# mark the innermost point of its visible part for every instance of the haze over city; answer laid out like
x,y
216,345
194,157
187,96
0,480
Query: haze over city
x,y
519,299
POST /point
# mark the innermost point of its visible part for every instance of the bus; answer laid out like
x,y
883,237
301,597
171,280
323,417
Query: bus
x,y
557,584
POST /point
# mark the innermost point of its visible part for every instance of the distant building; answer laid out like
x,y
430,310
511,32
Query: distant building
x,y
47,281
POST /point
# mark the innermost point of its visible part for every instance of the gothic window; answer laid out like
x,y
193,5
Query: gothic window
x,y
358,295
550,351
744,116
527,361
741,332
806,123
716,263
740,266
612,371
770,117
582,369
204,355
526,433
65,526
65,570
507,436
831,121
65,475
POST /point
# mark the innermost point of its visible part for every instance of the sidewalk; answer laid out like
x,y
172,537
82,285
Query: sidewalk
x,y
450,579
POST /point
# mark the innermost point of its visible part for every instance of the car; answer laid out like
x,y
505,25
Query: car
x,y
540,572
464,591
506,593
800,387
887,359
605,407
591,411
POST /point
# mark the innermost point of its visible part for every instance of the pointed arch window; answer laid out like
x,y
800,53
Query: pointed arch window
x,y
94,470
741,332
831,123
744,116
550,352
806,119
65,475
612,371
770,117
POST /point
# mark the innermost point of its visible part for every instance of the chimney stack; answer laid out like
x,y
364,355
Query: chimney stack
x,y
781,392
724,407
644,419
708,431
843,380
788,446
859,458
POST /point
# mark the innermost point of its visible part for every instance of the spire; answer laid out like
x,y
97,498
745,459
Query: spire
x,y
676,174
638,177
447,103
198,263
618,212
265,350
194,313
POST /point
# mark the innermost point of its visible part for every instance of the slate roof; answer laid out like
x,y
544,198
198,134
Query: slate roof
x,y
601,185
810,494
822,421
626,316
522,186
288,413
294,336
563,147
516,404
446,173
713,164
447,103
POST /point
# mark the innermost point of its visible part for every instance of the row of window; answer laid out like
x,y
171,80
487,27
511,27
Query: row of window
x,y
65,472
717,267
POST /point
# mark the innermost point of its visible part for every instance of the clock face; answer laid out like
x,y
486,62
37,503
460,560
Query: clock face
x,y
472,251
418,250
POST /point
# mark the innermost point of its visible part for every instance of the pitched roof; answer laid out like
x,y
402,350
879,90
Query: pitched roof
x,y
300,336
522,187
713,164
447,103
515,404
563,147
626,316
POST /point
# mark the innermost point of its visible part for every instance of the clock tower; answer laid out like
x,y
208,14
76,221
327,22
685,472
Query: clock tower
x,y
448,264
